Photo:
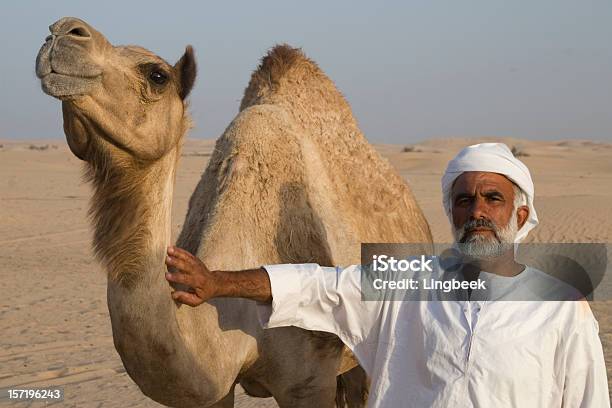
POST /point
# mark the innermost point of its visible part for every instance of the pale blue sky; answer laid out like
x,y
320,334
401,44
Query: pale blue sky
x,y
411,70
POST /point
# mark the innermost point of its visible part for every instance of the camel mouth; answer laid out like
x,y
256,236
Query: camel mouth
x,y
63,86
65,67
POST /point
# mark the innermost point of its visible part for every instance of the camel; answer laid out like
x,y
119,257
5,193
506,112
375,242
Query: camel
x,y
291,180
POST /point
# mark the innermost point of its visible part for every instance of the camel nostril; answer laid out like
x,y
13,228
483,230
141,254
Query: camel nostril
x,y
79,32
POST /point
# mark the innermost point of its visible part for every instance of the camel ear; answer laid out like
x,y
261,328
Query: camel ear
x,y
186,70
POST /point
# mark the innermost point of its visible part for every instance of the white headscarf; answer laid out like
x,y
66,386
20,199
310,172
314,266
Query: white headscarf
x,y
493,158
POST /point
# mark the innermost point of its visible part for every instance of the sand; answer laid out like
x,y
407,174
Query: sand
x,y
54,320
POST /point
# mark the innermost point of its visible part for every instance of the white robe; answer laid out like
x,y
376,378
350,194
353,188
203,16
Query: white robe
x,y
519,354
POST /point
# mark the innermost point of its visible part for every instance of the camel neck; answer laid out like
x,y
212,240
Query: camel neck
x,y
132,231
131,211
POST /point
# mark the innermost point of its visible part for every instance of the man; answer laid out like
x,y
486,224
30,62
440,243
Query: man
x,y
463,353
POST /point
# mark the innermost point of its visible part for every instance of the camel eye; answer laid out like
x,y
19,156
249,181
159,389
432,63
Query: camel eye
x,y
158,77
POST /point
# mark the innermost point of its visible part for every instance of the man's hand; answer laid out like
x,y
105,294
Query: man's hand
x,y
205,284
190,271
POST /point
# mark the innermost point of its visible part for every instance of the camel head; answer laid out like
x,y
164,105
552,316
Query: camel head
x,y
118,102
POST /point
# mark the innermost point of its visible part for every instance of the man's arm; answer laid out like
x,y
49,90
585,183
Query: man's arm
x,y
308,296
190,271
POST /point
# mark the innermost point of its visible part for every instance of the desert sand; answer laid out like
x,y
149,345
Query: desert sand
x,y
54,320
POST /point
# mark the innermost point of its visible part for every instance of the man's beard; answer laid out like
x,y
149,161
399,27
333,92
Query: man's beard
x,y
481,247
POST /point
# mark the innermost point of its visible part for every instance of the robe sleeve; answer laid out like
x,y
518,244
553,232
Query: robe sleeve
x,y
586,382
325,299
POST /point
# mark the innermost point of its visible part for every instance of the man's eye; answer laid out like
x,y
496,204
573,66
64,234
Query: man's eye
x,y
158,77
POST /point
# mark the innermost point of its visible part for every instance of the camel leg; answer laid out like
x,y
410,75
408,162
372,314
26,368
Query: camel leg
x,y
225,402
307,396
309,383
356,387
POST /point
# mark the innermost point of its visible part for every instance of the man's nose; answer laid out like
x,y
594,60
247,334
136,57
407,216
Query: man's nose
x,y
478,209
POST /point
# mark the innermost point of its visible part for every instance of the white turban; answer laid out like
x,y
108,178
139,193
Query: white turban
x,y
493,158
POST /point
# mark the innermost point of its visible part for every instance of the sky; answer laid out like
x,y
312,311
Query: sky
x,y
411,70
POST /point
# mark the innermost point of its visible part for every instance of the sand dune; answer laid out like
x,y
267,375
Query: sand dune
x,y
55,324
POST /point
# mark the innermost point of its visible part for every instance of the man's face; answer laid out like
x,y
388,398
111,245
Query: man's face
x,y
483,213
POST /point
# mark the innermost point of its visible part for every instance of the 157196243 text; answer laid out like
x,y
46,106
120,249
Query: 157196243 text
x,y
55,394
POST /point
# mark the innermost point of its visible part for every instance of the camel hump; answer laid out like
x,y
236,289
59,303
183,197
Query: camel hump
x,y
280,60
283,67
